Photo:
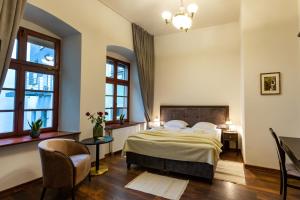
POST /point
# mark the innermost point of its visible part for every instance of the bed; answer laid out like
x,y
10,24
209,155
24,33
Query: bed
x,y
168,160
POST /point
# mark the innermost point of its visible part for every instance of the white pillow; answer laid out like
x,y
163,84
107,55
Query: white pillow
x,y
176,124
204,126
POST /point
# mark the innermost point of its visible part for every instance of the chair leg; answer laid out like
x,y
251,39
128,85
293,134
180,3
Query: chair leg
x,y
43,193
281,183
284,188
90,177
73,193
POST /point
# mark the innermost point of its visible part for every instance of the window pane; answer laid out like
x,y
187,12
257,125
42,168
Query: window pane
x,y
7,99
10,79
38,100
15,50
109,89
121,111
46,116
7,122
109,69
122,72
121,102
109,102
38,81
109,117
40,51
121,90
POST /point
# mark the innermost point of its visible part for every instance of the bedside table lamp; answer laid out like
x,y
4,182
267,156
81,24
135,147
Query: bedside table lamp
x,y
155,123
229,125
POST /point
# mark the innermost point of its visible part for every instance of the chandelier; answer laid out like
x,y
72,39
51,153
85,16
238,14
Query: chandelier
x,y
182,20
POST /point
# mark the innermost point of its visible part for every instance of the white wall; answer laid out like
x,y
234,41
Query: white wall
x,y
91,20
32,26
118,56
200,67
136,101
69,92
269,44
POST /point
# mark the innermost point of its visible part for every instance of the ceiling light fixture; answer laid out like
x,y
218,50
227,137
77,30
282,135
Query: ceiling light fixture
x,y
182,20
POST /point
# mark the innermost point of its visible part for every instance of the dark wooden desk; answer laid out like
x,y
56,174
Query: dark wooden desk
x,y
292,148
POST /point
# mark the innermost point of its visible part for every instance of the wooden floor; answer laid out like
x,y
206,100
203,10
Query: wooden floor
x,y
260,185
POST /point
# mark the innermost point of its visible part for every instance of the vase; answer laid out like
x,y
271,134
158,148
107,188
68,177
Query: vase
x,y
35,134
97,131
122,122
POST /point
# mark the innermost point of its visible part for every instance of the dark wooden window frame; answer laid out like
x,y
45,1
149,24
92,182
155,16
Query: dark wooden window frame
x,y
115,81
21,66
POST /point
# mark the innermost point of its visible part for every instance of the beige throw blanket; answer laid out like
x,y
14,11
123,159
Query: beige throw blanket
x,y
194,147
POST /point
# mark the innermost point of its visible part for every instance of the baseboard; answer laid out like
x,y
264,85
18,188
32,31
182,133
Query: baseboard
x,y
17,187
264,169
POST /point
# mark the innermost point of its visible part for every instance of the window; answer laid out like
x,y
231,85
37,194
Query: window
x,y
30,88
7,105
117,89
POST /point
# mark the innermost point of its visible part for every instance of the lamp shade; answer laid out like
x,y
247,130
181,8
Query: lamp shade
x,y
166,15
228,122
181,21
192,8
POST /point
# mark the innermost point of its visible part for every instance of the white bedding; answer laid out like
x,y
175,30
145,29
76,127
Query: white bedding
x,y
176,144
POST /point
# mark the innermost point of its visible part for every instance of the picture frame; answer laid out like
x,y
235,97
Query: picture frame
x,y
270,83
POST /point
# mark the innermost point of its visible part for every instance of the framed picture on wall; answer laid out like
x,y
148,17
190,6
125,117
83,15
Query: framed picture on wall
x,y
270,83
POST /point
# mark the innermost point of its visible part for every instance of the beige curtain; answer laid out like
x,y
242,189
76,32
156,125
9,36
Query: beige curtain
x,y
11,12
143,44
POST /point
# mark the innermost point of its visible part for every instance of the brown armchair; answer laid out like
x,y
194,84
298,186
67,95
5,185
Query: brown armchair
x,y
65,163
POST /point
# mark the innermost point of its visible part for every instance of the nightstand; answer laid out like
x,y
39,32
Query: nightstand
x,y
228,136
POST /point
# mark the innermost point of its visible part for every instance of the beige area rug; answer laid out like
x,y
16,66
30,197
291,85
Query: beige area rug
x,y
231,172
163,186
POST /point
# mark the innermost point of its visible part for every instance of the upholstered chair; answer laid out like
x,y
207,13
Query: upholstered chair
x,y
65,163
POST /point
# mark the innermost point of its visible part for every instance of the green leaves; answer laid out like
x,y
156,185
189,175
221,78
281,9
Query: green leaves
x,y
36,125
122,116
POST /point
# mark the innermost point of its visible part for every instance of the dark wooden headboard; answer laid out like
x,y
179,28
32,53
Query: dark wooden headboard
x,y
193,114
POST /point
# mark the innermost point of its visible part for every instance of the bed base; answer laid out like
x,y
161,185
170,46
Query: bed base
x,y
197,169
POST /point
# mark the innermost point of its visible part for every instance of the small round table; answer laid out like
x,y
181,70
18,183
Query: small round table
x,y
97,170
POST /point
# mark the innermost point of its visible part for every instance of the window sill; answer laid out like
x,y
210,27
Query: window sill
x,y
26,139
110,127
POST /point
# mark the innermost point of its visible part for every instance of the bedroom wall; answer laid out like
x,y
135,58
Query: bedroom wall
x,y
269,44
90,19
200,67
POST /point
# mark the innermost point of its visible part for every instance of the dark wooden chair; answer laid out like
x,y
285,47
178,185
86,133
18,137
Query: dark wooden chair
x,y
287,171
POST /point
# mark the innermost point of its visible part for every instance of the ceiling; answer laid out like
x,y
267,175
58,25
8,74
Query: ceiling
x,y
147,13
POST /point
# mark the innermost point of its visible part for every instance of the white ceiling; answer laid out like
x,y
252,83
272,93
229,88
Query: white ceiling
x,y
147,13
